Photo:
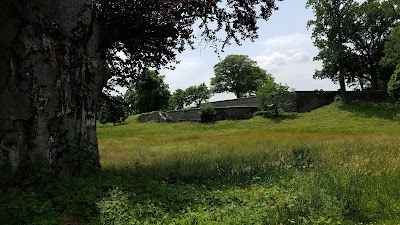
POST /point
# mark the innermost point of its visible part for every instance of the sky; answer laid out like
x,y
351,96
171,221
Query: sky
x,y
284,49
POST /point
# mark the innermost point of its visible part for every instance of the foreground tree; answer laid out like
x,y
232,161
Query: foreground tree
x,y
238,74
54,58
51,77
148,94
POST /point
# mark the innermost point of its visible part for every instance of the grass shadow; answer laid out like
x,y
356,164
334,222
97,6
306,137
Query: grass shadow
x,y
113,196
370,109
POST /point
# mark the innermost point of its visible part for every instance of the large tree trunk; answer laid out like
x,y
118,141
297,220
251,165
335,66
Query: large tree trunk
x,y
50,78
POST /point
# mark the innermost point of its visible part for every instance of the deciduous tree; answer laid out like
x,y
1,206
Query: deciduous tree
x,y
394,85
392,49
274,97
148,94
56,56
197,94
374,22
331,28
351,36
177,99
238,74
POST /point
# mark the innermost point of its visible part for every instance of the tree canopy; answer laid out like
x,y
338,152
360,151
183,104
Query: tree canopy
x,y
273,97
177,100
350,36
394,85
148,94
331,26
374,21
392,49
151,33
238,74
197,94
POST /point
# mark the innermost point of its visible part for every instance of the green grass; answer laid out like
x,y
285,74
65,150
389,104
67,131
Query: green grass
x,y
335,165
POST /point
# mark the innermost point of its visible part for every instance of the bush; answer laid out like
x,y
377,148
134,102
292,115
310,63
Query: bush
x,y
337,98
394,85
207,112
273,97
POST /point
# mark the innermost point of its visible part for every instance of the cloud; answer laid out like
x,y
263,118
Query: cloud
x,y
191,71
277,60
290,60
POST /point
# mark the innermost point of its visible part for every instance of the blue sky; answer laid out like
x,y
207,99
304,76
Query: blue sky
x,y
284,48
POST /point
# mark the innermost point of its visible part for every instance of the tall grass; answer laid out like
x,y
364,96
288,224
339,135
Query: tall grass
x,y
351,159
335,165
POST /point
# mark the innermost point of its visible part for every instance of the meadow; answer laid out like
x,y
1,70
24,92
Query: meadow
x,y
339,164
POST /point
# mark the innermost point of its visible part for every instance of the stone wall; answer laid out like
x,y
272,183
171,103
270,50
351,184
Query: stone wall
x,y
234,113
370,96
309,100
194,115
244,108
249,101
190,115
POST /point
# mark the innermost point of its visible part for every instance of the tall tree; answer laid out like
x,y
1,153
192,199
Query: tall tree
x,y
51,77
148,94
392,58
374,22
392,49
56,56
331,26
238,74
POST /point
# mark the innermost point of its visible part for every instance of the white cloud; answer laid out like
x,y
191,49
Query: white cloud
x,y
277,60
290,60
191,71
289,42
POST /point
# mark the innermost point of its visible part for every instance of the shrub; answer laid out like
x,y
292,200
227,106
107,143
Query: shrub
x,y
273,97
207,112
337,98
394,84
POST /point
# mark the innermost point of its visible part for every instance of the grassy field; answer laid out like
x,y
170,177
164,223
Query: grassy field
x,y
335,165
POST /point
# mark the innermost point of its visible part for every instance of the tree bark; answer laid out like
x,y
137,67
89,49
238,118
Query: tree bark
x,y
50,79
374,78
342,83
